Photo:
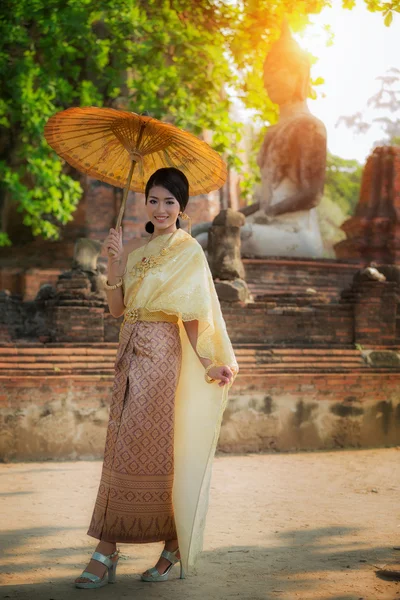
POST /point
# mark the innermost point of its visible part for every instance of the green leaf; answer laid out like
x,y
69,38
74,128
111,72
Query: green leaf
x,y
388,18
4,239
348,4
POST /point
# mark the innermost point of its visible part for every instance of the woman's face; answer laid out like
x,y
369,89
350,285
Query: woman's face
x,y
162,209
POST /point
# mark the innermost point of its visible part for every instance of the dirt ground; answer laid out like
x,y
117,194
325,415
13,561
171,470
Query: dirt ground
x,y
310,526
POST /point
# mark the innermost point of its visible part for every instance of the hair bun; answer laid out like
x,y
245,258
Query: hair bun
x,y
149,227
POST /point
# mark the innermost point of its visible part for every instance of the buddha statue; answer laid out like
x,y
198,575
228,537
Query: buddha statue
x,y
292,162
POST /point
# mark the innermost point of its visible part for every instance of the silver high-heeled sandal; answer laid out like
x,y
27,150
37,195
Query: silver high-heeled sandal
x,y
154,575
109,575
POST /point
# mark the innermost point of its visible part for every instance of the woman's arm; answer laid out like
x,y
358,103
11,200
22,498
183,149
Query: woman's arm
x,y
222,373
192,328
115,298
115,270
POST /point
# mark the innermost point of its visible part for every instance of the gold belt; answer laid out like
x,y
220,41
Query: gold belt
x,y
132,315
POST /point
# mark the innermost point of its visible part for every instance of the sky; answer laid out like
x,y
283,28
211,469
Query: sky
x,y
363,48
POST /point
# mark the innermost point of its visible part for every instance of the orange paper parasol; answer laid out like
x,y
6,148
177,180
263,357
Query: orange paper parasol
x,y
123,148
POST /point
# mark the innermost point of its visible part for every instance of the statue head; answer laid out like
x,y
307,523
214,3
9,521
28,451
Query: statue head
x,y
286,70
86,252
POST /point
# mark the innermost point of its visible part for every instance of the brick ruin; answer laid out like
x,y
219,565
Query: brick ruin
x,y
318,345
373,233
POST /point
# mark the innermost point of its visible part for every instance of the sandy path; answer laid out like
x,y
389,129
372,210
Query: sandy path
x,y
280,526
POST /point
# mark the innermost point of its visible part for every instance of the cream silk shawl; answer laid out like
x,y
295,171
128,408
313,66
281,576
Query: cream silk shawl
x,y
182,284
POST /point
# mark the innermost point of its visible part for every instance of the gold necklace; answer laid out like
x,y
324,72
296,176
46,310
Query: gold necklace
x,y
141,267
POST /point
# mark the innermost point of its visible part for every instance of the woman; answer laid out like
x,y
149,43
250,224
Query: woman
x,y
173,369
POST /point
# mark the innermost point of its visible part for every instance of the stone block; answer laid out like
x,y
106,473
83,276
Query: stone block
x,y
232,291
224,245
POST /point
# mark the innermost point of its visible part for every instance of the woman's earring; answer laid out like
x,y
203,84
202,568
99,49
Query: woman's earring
x,y
183,215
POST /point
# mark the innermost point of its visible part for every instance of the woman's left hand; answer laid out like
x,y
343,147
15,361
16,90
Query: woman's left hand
x,y
223,374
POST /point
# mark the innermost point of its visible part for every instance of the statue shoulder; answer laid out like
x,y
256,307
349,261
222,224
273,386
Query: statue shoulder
x,y
306,142
294,139
308,124
297,152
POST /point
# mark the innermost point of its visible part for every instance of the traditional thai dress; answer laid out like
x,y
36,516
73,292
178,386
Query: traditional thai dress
x,y
164,418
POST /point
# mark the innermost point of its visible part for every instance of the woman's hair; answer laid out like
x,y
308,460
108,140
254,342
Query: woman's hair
x,y
175,182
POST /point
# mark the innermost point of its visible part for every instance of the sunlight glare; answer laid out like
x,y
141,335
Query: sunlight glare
x,y
362,49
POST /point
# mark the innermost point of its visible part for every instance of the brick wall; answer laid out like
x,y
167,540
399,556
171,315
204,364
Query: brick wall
x,y
283,275
330,325
64,417
310,411
375,312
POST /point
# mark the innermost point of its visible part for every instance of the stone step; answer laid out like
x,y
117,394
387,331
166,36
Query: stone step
x,y
294,294
301,286
96,360
106,349
29,359
300,363
110,349
270,287
245,370
36,366
29,355
315,353
29,374
264,359
252,348
300,367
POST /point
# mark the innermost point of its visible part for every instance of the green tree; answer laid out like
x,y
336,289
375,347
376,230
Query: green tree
x,y
382,110
343,181
173,58
341,192
125,53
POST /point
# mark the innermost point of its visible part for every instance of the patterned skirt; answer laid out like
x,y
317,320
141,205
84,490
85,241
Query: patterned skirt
x,y
134,500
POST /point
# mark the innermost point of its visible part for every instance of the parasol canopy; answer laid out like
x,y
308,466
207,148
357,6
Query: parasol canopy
x,y
123,148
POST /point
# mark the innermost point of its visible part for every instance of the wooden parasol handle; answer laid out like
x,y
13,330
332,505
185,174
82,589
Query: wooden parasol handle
x,y
124,197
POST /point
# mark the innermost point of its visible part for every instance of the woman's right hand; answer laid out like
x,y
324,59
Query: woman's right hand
x,y
113,244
